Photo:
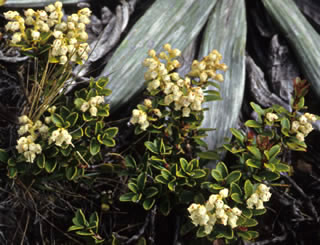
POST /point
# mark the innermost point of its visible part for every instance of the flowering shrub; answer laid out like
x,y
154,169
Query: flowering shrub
x,y
170,118
66,138
171,172
58,134
64,135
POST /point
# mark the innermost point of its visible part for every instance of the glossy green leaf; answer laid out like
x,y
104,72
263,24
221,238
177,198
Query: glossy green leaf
x,y
250,223
234,176
50,165
151,147
253,234
112,132
282,167
235,188
244,235
236,197
257,212
248,188
198,173
210,155
257,108
41,160
71,172
109,142
133,187
130,162
57,120
254,163
236,133
151,192
255,151
75,228
222,168
216,175
184,164
127,197
141,181
247,213
94,146
148,203
253,124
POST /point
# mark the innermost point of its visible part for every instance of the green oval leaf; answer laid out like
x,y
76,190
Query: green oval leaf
x,y
127,197
210,155
253,124
57,120
222,168
151,147
248,188
234,176
41,160
216,175
50,165
71,172
111,132
141,181
148,203
255,152
151,192
94,146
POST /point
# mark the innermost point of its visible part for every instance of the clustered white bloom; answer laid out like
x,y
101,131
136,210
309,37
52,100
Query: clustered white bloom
x,y
303,126
271,117
60,136
92,104
257,199
69,36
27,126
26,144
140,117
178,91
214,211
29,149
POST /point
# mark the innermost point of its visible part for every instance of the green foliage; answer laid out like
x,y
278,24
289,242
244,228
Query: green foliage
x,y
86,228
171,171
89,134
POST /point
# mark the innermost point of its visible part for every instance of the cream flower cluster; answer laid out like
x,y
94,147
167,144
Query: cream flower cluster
x,y
158,71
60,136
140,117
69,36
27,126
214,211
29,149
26,144
208,67
92,104
303,126
271,117
179,93
257,199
